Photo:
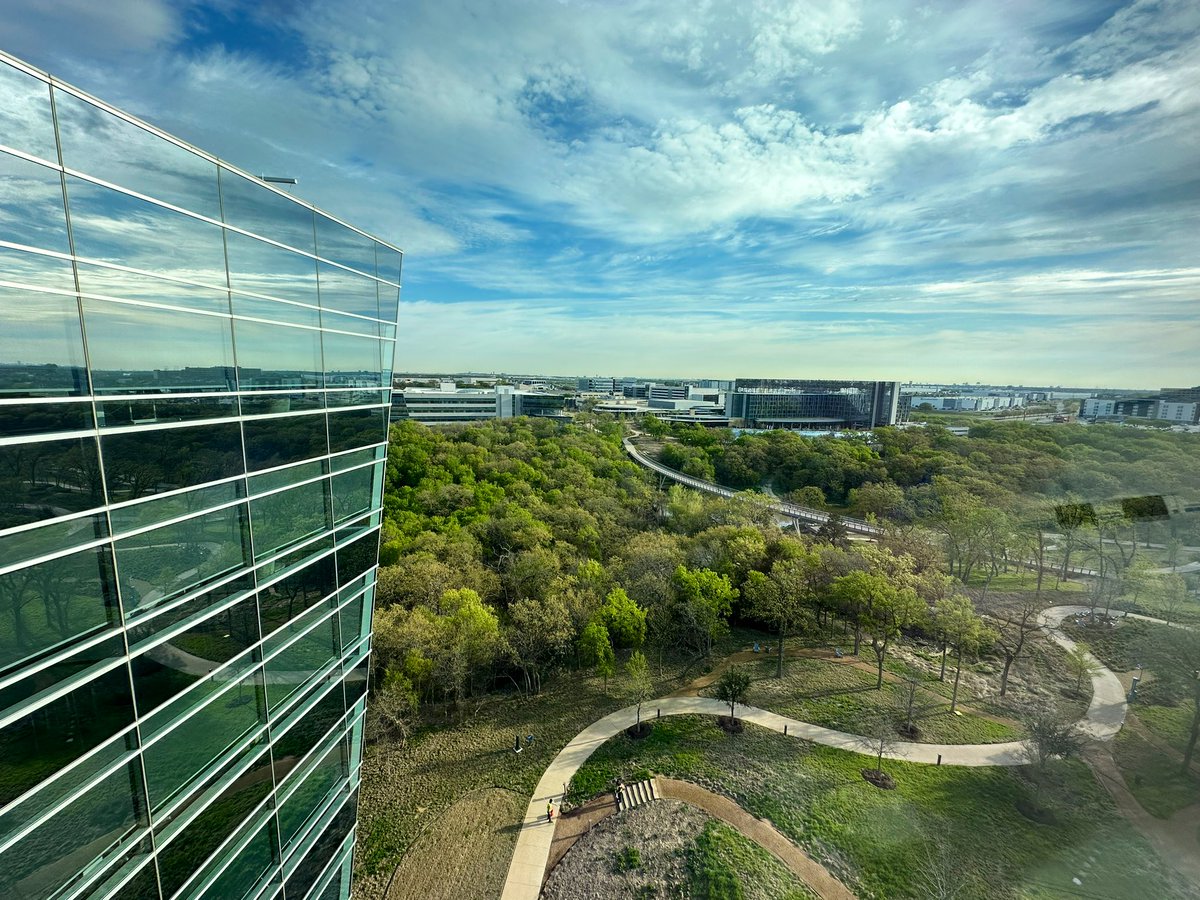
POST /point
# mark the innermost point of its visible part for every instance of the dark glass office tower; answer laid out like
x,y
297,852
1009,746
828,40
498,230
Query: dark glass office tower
x,y
194,391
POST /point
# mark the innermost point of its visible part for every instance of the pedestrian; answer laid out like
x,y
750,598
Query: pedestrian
x,y
549,810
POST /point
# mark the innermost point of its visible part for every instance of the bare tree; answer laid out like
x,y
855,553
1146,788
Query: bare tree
x,y
879,737
1051,736
939,874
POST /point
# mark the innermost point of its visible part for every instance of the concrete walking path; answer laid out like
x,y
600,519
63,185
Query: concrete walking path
x,y
1103,720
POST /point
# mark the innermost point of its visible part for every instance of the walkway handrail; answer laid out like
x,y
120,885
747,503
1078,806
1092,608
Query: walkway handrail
x,y
792,510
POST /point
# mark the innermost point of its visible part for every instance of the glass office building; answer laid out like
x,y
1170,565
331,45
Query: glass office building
x,y
791,403
194,393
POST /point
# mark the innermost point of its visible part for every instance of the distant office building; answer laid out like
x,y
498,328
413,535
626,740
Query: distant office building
x,y
966,402
597,385
809,404
194,383
667,392
1173,405
450,404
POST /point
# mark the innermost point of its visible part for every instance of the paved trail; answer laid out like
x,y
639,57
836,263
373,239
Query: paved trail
x,y
1102,721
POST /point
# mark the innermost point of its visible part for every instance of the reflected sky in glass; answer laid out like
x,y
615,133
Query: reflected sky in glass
x,y
263,268
31,205
343,291
41,345
25,121
253,207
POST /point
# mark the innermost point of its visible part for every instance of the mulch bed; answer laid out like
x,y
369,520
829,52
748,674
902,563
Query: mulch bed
x,y
880,779
730,725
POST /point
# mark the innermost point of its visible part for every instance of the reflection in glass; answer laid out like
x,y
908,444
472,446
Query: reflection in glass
x,y
284,439
354,324
178,759
250,867
355,559
296,664
142,515
25,120
31,205
124,284
356,428
41,345
140,463
287,598
47,479
149,237
347,292
306,726
262,268
276,311
322,851
42,742
252,206
275,356
112,149
177,351
36,269
21,419
270,481
84,835
344,245
183,556
143,630
168,668
53,537
188,850
353,492
287,518
309,796
352,361
355,620
293,401
163,409
387,262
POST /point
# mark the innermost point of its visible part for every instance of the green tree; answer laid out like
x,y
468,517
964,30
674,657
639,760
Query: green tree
x,y
595,649
639,685
1081,664
1173,654
955,619
883,609
732,687
624,620
704,602
785,597
537,632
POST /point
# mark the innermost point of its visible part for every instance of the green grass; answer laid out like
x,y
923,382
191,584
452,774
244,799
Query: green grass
x,y
1154,777
876,840
724,865
1027,581
1170,724
841,696
1116,647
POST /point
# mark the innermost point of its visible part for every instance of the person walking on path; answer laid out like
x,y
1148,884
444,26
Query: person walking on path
x,y
549,810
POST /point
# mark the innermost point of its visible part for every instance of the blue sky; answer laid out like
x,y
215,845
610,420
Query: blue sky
x,y
981,191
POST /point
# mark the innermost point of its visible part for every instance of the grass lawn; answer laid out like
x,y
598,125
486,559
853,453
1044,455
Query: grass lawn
x,y
1054,593
1170,724
724,864
844,697
878,841
1153,776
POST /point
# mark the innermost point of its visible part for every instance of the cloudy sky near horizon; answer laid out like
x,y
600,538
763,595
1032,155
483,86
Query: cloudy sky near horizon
x,y
962,190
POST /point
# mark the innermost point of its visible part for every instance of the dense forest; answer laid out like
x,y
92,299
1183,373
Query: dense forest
x,y
513,548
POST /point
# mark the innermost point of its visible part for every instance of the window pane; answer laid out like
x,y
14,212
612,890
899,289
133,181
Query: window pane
x,y
89,829
355,682
168,668
353,492
182,755
117,151
347,292
263,268
251,866
143,515
41,345
356,428
283,519
387,262
276,311
38,270
273,356
25,419
117,228
31,205
49,605
295,665
22,545
293,401
352,361
25,122
48,478
284,439
167,561
321,853
287,598
345,245
143,629
306,728
307,799
355,620
186,853
163,409
44,741
177,351
355,559
254,207
141,463
126,285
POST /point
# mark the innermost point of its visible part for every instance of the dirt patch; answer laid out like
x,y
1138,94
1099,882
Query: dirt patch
x,y
879,778
639,731
465,852
575,824
730,725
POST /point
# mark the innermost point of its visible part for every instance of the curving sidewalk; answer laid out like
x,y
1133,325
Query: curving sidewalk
x,y
1103,720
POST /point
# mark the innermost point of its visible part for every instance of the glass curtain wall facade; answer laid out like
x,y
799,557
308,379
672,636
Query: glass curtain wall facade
x,y
786,403
194,393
